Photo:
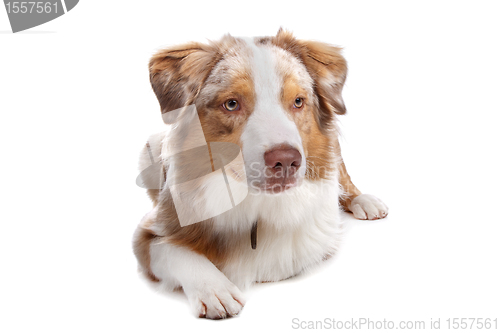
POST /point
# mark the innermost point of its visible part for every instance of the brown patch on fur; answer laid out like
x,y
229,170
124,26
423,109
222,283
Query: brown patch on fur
x,y
225,126
290,91
153,195
199,237
177,73
320,162
350,191
141,244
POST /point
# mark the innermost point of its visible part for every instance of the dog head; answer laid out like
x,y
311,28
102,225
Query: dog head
x,y
276,97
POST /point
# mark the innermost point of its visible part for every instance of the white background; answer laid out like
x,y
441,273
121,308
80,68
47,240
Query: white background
x,y
421,133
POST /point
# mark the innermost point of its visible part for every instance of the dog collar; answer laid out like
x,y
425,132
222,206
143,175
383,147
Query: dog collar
x,y
253,235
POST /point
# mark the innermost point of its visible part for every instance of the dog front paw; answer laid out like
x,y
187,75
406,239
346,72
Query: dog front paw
x,y
368,207
215,300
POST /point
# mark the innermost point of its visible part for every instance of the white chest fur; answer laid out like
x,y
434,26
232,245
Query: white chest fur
x,y
296,230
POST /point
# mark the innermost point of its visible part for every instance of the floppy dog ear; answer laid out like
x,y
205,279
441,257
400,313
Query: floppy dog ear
x,y
326,66
177,75
328,69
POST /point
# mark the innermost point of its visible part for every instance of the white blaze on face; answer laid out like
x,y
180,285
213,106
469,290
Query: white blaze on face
x,y
269,124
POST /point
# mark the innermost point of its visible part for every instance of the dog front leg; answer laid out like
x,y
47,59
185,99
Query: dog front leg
x,y
362,206
209,291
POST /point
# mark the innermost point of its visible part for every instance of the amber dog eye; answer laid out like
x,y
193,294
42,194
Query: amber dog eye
x,y
231,105
299,102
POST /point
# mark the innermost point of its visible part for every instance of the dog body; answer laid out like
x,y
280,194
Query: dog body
x,y
277,99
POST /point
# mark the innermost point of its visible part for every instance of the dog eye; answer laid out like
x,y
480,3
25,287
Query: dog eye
x,y
299,102
231,105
